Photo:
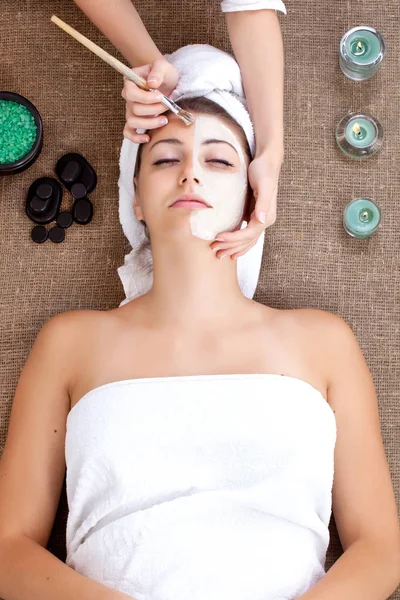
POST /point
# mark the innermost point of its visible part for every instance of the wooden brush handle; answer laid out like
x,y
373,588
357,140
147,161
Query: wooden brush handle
x,y
113,62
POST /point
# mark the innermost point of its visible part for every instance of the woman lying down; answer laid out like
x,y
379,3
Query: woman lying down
x,y
206,437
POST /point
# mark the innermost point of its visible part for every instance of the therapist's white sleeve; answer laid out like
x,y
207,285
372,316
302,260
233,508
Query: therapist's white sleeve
x,y
239,5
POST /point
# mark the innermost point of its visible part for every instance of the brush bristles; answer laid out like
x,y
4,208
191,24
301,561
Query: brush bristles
x,y
186,117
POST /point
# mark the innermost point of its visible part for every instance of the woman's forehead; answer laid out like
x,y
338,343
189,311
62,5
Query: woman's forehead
x,y
204,128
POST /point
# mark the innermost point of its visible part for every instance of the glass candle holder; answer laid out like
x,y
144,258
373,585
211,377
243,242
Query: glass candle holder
x,y
359,136
361,218
362,50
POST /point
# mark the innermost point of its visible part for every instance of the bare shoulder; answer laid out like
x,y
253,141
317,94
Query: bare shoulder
x,y
339,354
325,329
75,326
314,317
326,339
69,323
331,332
69,337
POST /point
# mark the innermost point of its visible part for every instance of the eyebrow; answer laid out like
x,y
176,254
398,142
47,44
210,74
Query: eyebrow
x,y
179,142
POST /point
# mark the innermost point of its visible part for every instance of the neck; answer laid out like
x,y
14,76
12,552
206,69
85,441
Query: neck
x,y
192,285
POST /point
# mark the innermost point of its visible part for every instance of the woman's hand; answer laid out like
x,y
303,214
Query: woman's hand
x,y
142,106
263,175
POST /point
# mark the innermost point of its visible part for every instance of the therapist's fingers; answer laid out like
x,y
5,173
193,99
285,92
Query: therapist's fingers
x,y
252,231
162,73
137,138
242,251
233,252
145,110
134,121
219,245
232,240
146,122
132,93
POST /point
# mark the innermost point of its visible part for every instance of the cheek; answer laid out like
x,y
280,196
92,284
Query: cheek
x,y
227,191
151,190
227,195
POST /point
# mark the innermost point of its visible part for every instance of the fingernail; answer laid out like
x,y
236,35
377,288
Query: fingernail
x,y
158,97
262,216
219,240
152,80
163,121
215,249
223,256
144,140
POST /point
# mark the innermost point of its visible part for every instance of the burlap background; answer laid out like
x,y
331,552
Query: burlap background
x,y
309,260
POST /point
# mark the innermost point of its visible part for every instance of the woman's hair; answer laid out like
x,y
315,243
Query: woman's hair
x,y
202,106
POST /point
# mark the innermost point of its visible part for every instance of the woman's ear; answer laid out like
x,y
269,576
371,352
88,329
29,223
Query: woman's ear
x,y
136,203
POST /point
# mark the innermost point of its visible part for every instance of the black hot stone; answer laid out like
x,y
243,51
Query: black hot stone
x,y
57,234
38,205
64,219
44,191
73,168
43,200
82,211
39,234
71,172
78,190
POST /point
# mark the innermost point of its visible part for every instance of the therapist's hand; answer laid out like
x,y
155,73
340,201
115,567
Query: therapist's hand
x,y
142,106
263,176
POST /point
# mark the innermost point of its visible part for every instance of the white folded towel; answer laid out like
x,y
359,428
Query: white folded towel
x,y
242,5
204,71
201,488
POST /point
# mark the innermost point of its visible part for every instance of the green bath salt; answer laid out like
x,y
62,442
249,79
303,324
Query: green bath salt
x,y
18,131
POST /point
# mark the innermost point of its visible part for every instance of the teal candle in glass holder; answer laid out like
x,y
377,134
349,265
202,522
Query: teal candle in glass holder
x,y
361,218
359,135
362,50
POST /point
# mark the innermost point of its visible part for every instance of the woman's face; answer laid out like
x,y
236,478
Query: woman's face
x,y
205,160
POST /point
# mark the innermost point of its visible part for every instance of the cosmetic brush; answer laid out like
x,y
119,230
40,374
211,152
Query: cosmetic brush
x,y
186,117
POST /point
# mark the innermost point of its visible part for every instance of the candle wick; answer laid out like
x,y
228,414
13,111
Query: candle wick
x,y
360,47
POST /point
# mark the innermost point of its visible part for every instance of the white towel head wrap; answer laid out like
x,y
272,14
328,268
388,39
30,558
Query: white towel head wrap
x,y
203,71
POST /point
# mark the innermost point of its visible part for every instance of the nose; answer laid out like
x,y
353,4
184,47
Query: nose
x,y
190,174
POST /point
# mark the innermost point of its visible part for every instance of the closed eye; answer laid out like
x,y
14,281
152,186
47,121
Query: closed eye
x,y
175,160
219,160
166,160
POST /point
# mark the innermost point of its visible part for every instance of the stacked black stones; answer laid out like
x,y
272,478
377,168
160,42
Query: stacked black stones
x,y
45,196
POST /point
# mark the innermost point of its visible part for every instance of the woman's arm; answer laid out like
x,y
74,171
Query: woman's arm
x,y
32,470
262,66
363,499
261,62
30,572
122,25
257,44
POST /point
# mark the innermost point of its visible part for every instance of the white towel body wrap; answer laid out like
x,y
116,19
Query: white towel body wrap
x,y
242,5
201,488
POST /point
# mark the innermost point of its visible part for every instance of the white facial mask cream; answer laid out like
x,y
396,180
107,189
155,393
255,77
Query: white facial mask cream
x,y
223,190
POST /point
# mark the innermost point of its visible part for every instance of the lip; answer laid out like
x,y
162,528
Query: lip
x,y
192,201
